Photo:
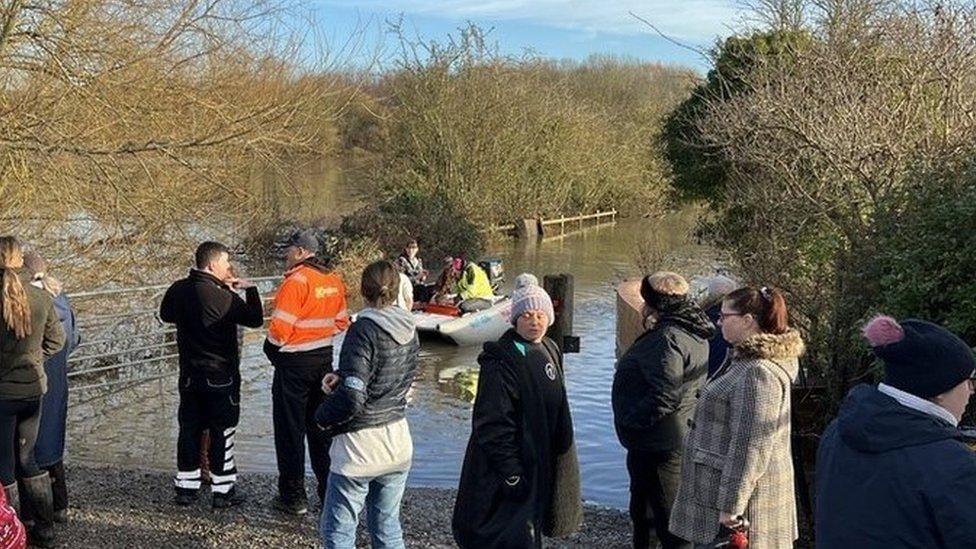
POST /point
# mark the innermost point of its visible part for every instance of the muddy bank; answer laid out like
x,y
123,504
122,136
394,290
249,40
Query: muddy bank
x,y
115,508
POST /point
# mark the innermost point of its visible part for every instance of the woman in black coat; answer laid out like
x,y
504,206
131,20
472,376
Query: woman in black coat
x,y
520,477
655,388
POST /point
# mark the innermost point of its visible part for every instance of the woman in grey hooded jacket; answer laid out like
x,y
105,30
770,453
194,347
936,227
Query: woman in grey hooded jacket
x,y
364,412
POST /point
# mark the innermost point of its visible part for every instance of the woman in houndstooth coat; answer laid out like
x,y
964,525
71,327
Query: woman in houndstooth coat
x,y
737,456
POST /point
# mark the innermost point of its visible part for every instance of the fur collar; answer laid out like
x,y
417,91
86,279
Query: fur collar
x,y
771,346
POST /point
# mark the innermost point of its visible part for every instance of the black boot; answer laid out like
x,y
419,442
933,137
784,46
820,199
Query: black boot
x,y
291,496
186,496
13,497
230,499
296,507
59,489
37,490
25,511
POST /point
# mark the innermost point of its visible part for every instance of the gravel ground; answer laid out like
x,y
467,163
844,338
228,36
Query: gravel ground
x,y
114,508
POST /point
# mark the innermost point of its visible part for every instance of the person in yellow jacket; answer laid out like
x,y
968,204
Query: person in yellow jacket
x,y
309,312
474,283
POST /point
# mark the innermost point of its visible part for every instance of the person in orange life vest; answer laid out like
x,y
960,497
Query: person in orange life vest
x,y
309,312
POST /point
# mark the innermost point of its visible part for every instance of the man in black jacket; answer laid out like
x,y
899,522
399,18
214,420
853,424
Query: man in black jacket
x,y
207,313
655,388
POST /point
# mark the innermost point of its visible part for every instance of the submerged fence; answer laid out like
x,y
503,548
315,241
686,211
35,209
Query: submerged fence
x,y
124,343
529,228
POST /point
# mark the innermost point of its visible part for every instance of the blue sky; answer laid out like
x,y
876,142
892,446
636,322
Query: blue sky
x,y
552,28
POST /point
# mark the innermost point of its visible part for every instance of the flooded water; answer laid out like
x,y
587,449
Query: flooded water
x,y
137,427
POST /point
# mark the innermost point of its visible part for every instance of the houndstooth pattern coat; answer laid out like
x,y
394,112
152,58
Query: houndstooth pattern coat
x,y
737,455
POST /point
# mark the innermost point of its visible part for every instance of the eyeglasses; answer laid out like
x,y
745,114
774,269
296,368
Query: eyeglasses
x,y
722,316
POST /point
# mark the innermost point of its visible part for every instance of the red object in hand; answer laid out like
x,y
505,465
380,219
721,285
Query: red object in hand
x,y
739,540
12,532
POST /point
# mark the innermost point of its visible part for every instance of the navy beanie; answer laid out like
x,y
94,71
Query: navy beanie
x,y
920,357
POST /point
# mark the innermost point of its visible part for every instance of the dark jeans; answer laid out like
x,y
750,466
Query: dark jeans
x,y
296,393
654,480
19,420
215,411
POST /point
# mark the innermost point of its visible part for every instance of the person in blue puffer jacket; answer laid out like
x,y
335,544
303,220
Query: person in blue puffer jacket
x,y
365,415
892,470
49,448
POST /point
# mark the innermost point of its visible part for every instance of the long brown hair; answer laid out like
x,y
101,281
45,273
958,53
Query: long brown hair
x,y
766,305
16,309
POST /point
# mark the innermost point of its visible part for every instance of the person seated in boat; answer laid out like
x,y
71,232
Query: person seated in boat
x,y
445,287
473,289
410,264
474,283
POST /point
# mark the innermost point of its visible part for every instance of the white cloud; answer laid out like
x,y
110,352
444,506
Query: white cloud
x,y
692,20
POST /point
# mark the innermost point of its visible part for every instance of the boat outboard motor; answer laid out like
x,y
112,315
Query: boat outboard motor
x,y
474,305
495,269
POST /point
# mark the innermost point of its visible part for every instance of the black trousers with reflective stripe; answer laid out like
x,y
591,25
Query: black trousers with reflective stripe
x,y
219,413
296,393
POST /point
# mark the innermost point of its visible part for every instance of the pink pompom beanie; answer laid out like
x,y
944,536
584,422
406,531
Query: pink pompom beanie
x,y
920,357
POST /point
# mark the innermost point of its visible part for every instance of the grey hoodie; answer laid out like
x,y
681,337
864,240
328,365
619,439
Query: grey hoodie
x,y
392,320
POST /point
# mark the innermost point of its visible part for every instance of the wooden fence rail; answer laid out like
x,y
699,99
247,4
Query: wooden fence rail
x,y
541,224
612,214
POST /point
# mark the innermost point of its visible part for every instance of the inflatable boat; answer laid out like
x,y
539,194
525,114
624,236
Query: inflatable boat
x,y
460,328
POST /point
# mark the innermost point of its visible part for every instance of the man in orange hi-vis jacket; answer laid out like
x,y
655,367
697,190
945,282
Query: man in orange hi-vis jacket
x,y
309,312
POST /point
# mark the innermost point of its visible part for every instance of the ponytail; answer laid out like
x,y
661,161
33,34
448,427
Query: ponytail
x,y
766,305
380,284
16,309
774,316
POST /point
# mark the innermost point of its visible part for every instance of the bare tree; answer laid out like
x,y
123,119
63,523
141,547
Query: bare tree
x,y
817,145
129,128
775,14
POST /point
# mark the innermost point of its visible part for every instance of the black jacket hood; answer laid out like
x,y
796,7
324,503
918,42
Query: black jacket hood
x,y
690,318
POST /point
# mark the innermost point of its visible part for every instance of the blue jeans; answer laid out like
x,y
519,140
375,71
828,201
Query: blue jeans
x,y
344,499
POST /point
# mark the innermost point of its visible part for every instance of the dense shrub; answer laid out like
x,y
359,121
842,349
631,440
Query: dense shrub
x,y
500,137
926,255
844,171
430,218
699,171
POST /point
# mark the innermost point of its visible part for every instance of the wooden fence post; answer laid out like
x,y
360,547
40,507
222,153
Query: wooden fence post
x,y
560,289
526,229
